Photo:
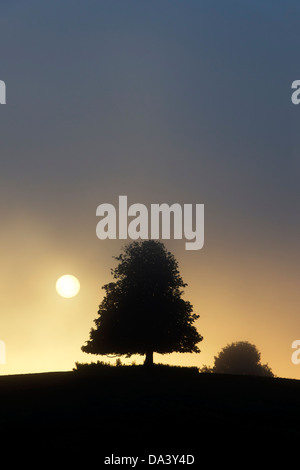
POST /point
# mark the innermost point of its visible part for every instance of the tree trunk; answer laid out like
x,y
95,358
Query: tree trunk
x,y
149,359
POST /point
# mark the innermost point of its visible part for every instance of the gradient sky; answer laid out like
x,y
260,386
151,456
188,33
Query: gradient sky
x,y
162,101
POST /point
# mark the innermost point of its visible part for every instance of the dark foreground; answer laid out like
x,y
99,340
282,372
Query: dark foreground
x,y
132,412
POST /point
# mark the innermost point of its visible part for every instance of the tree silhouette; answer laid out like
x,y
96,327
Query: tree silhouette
x,y
143,311
241,358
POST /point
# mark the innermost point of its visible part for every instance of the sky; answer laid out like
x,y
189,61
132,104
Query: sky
x,y
162,101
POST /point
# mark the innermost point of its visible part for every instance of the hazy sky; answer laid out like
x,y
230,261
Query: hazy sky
x,y
162,101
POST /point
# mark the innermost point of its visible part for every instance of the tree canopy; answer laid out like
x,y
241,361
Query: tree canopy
x,y
240,357
143,310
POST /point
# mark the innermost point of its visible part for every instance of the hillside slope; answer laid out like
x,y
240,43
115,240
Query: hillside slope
x,y
129,410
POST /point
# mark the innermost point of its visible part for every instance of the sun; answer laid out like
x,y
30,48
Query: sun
x,y
67,286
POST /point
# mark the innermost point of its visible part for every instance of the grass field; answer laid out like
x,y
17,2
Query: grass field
x,y
129,410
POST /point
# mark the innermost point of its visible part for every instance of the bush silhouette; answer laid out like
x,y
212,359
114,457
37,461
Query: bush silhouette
x,y
240,358
143,310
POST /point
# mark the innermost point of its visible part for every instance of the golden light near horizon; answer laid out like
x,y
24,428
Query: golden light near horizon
x,y
67,286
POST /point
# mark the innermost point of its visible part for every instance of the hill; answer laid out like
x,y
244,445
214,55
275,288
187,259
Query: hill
x,y
132,411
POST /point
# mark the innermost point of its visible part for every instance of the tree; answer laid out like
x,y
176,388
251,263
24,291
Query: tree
x,y
143,311
241,358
